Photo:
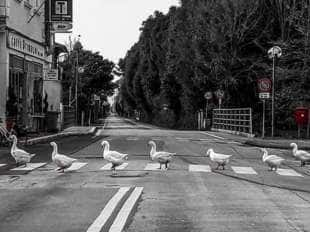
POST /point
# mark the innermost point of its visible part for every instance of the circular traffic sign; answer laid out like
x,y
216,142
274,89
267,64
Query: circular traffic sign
x,y
264,85
219,94
208,95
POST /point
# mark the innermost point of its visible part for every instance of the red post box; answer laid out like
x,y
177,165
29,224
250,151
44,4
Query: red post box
x,y
301,115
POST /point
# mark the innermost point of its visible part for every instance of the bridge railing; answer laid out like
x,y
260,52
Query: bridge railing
x,y
236,121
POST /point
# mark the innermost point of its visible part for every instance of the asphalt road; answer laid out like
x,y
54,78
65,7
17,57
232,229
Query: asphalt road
x,y
187,197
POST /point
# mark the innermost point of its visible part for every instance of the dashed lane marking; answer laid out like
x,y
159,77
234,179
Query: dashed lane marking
x,y
29,167
106,213
215,136
151,167
109,166
132,138
199,168
76,166
244,170
122,217
288,172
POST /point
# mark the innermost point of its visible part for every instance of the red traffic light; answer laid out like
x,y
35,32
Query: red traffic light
x,y
301,115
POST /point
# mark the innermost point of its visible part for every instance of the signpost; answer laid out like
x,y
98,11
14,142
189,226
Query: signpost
x,y
208,95
220,95
61,16
264,87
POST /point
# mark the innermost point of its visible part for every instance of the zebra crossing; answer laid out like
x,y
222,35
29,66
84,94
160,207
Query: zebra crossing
x,y
149,166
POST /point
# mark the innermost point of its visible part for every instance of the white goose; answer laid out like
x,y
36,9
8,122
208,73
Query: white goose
x,y
301,155
220,159
273,161
62,161
116,158
20,156
162,157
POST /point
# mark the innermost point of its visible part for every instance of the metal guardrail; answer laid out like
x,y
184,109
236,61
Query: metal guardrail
x,y
237,120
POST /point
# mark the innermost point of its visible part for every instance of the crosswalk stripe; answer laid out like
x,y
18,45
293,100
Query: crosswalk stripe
x,y
2,165
122,217
199,168
151,167
29,167
76,166
106,213
288,172
244,170
109,166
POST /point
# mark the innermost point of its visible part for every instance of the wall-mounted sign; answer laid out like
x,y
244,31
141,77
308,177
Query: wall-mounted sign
x,y
25,46
51,75
61,10
61,27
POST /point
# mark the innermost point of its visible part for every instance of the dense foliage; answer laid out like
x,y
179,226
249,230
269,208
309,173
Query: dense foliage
x,y
96,78
205,45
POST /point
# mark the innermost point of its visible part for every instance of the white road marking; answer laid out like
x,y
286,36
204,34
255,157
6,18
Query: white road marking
x,y
76,166
199,168
183,138
122,217
288,172
218,137
98,133
132,139
106,213
29,167
156,138
244,170
109,166
2,165
152,167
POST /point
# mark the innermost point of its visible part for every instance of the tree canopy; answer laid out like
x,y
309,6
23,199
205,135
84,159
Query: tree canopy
x,y
205,45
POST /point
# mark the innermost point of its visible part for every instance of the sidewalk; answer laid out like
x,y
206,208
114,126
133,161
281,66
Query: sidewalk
x,y
67,132
278,143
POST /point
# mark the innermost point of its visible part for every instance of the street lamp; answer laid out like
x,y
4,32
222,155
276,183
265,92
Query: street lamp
x,y
273,53
77,46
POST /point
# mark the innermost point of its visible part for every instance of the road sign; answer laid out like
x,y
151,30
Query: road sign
x,y
51,74
219,94
61,10
208,95
60,27
264,95
264,85
275,51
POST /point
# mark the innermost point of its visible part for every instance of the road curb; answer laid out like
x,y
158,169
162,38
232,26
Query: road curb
x,y
54,136
277,145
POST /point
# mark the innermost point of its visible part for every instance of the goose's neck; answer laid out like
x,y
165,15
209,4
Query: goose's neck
x,y
153,149
294,150
14,145
106,148
265,156
55,150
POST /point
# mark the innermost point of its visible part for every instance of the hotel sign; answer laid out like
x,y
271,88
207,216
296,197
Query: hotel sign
x,y
61,10
25,46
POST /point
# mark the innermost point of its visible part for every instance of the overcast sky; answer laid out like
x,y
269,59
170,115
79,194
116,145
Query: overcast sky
x,y
112,26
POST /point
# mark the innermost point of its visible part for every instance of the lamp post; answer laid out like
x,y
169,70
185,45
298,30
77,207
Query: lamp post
x,y
273,53
77,46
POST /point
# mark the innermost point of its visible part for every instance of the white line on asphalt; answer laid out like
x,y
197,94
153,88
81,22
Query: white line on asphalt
x,y
215,136
122,217
244,170
106,213
132,139
76,166
2,165
288,172
98,132
199,168
182,138
156,138
29,167
109,166
151,167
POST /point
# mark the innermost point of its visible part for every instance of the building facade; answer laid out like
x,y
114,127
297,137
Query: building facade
x,y
25,94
